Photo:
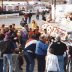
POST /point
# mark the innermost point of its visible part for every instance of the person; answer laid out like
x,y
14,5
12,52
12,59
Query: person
x,y
37,15
23,37
30,31
26,27
52,64
8,51
19,49
30,16
3,28
26,17
41,50
43,16
69,58
13,26
34,25
58,49
29,53
1,35
45,32
37,34
23,22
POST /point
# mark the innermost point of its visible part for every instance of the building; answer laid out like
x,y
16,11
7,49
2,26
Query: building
x,y
36,0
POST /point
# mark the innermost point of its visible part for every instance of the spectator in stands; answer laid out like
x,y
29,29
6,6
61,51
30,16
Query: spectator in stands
x,y
29,53
41,50
58,48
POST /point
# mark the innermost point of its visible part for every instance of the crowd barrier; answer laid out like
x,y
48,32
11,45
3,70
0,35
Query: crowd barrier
x,y
15,63
9,15
15,59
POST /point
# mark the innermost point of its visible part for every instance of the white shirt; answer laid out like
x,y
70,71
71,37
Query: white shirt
x,y
52,63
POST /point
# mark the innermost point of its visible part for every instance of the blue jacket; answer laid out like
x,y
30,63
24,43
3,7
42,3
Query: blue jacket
x,y
41,48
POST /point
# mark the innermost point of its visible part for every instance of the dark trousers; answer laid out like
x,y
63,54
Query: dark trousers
x,y
20,61
29,19
26,20
37,17
30,62
41,63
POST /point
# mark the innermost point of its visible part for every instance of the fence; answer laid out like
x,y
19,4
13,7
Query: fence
x,y
15,60
15,63
9,15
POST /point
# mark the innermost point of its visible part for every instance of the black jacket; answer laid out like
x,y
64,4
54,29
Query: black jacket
x,y
58,48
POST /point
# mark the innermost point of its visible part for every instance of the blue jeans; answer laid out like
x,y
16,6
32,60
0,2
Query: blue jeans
x,y
7,57
61,63
30,62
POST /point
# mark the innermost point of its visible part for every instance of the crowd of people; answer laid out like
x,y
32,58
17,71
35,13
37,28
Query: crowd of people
x,y
28,17
51,53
